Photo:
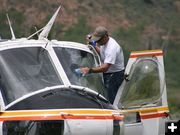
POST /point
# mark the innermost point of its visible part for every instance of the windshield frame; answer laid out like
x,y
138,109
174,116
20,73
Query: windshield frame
x,y
48,46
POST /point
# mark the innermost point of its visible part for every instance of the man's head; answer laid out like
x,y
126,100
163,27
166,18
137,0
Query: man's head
x,y
100,35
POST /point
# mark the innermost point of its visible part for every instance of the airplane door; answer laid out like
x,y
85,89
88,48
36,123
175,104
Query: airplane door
x,y
142,96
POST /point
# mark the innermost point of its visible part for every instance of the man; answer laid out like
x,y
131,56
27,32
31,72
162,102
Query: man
x,y
113,61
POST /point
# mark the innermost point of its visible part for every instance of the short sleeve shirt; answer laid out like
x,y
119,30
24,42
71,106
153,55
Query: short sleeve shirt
x,y
112,53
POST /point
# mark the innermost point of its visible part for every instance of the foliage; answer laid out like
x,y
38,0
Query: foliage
x,y
131,36
16,19
78,32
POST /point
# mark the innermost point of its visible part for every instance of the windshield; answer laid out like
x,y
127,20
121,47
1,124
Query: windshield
x,y
72,59
143,84
25,70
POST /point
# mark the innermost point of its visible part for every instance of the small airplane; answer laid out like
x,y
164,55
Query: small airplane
x,y
41,94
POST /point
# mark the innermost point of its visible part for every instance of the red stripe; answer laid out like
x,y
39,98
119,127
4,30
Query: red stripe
x,y
146,54
149,116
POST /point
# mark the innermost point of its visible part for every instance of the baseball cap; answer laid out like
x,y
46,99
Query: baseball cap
x,y
99,32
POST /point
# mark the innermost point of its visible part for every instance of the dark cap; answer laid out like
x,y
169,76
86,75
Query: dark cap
x,y
99,33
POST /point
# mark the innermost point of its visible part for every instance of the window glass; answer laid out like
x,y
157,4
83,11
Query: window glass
x,y
143,84
72,59
25,70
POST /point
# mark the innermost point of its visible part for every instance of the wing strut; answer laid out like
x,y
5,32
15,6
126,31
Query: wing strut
x,y
10,26
47,28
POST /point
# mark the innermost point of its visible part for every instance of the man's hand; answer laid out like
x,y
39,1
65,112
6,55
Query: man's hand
x,y
85,70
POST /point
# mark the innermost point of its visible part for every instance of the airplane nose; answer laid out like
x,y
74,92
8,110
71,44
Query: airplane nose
x,y
60,98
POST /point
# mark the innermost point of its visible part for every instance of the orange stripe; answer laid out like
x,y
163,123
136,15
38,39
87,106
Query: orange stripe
x,y
148,110
60,118
151,110
147,51
148,113
146,54
57,112
59,115
149,116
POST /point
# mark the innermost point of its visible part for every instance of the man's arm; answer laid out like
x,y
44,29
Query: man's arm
x,y
103,68
97,49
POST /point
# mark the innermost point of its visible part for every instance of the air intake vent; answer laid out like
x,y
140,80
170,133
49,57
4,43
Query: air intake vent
x,y
47,95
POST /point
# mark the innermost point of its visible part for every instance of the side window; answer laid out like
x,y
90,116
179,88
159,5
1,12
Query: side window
x,y
143,84
72,59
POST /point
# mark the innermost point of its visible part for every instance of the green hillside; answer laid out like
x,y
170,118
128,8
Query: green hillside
x,y
136,24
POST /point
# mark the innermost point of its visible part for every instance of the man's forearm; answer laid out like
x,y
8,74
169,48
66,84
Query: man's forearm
x,y
100,69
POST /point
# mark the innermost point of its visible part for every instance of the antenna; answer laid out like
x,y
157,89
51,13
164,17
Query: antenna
x,y
12,32
47,28
36,30
35,33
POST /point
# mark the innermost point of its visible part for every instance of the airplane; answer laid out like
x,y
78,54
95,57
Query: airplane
x,y
41,94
